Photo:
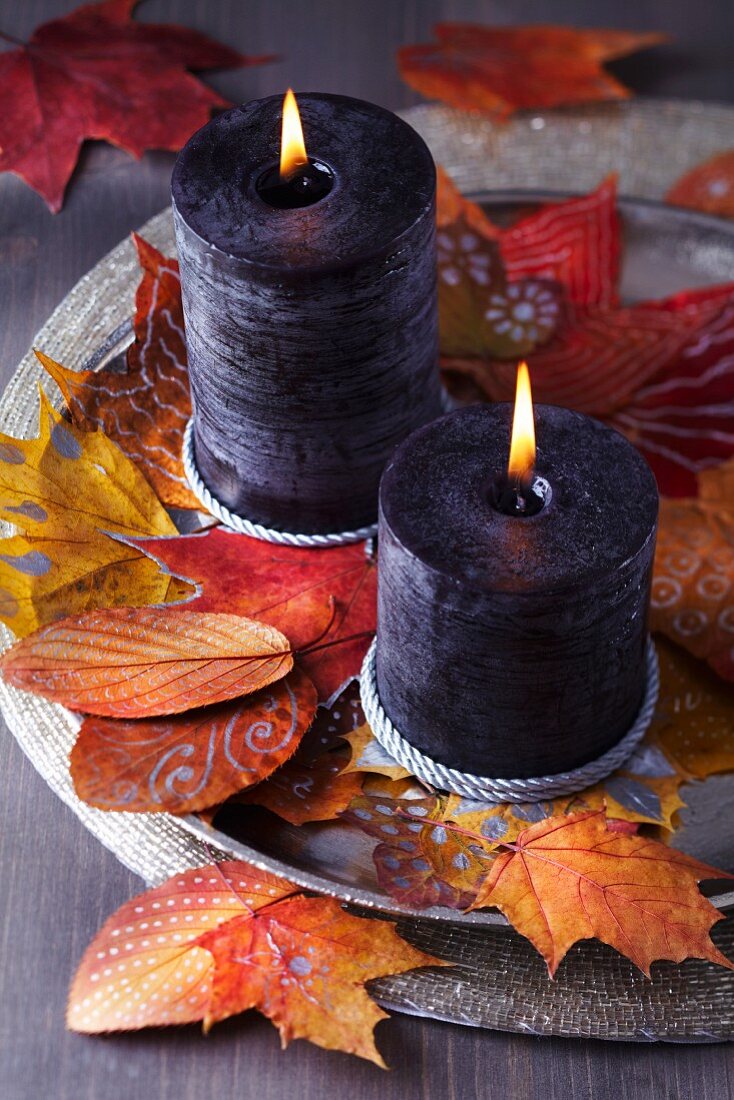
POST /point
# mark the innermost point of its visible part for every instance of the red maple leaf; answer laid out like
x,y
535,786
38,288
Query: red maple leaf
x,y
597,360
288,588
95,74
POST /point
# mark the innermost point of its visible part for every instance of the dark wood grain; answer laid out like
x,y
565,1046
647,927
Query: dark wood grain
x,y
58,883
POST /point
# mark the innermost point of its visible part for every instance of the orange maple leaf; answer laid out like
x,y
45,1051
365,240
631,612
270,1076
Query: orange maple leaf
x,y
503,69
225,938
144,409
303,963
693,580
573,879
140,662
186,762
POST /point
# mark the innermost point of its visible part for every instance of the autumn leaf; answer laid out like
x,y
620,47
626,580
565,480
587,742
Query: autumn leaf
x,y
452,206
480,313
693,579
303,963
697,727
66,491
288,587
95,74
368,755
708,187
191,761
576,242
499,292
314,785
503,69
681,419
145,968
145,408
420,862
596,361
141,662
497,821
218,940
573,879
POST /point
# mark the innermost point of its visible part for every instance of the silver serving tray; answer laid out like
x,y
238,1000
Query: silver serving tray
x,y
499,980
665,250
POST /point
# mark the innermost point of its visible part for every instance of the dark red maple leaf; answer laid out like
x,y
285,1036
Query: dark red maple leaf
x,y
287,587
95,74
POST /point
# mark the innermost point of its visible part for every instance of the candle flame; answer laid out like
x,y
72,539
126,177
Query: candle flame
x,y
292,145
522,445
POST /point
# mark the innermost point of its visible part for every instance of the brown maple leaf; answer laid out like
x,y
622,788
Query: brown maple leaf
x,y
503,69
95,74
145,408
572,879
420,861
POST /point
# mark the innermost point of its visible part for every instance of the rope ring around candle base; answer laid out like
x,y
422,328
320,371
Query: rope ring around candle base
x,y
257,530
481,788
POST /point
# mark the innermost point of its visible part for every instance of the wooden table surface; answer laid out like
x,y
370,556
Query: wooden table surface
x,y
57,883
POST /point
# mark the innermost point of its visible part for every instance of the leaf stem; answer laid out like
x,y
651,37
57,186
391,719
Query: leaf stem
x,y
335,642
11,39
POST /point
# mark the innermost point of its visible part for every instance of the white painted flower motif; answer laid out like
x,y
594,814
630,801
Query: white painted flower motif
x,y
467,255
526,314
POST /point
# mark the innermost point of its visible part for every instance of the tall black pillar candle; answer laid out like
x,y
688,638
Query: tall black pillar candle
x,y
514,646
311,330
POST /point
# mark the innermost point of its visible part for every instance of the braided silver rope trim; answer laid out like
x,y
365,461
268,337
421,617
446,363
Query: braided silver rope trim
x,y
535,789
256,530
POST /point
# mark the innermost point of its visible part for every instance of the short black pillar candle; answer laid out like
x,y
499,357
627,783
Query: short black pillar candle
x,y
311,329
513,646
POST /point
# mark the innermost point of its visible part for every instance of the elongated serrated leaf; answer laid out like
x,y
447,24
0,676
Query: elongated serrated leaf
x,y
142,662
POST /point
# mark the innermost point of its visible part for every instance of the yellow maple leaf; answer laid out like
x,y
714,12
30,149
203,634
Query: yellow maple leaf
x,y
67,492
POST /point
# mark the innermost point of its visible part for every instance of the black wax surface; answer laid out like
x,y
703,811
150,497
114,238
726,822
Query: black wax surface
x,y
384,180
512,646
312,333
